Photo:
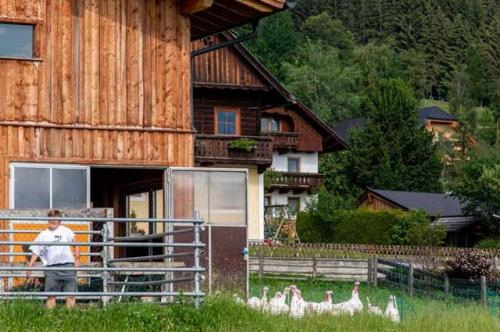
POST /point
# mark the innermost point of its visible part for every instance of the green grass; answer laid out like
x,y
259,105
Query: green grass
x,y
220,313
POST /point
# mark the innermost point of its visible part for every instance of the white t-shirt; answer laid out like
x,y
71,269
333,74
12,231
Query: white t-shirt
x,y
51,255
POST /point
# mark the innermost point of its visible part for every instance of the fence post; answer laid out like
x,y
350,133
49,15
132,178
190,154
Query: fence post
x,y
484,291
446,285
375,271
315,267
369,275
261,261
197,258
410,280
105,257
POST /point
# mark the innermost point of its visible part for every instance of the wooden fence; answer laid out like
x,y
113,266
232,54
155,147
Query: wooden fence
x,y
347,261
315,268
340,250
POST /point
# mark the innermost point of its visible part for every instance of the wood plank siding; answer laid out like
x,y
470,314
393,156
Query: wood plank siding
x,y
224,68
310,138
110,84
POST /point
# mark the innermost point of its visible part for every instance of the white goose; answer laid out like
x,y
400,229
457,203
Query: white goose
x,y
352,306
326,305
297,304
274,303
391,311
373,309
255,303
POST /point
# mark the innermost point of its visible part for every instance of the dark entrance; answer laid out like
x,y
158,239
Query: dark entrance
x,y
132,193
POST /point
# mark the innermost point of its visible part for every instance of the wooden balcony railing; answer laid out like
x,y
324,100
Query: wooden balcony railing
x,y
284,140
221,149
293,181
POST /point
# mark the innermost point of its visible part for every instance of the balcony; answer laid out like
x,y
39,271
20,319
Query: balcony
x,y
298,182
284,140
222,149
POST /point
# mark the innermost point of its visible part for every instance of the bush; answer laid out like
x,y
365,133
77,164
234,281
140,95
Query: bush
x,y
489,243
414,228
368,227
365,227
346,226
470,264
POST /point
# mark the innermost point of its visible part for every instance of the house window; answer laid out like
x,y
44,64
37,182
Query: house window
x,y
16,40
293,164
227,121
293,205
269,125
47,186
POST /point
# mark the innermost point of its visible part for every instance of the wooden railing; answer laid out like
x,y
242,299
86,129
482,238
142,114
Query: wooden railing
x,y
284,140
293,180
219,149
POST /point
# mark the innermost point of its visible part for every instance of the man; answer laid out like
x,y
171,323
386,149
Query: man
x,y
57,256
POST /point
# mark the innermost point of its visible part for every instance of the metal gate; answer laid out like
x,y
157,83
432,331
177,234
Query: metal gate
x,y
115,274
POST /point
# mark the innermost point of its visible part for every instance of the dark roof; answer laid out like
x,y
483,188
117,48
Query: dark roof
x,y
433,113
425,113
342,129
455,224
434,204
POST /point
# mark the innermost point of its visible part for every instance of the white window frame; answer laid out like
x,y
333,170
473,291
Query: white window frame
x,y
12,176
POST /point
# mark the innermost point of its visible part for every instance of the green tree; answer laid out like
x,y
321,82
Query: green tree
x,y
320,80
325,30
478,184
276,42
393,152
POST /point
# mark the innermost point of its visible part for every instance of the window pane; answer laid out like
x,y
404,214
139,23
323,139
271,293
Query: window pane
x,y
31,188
293,205
264,124
69,188
16,40
219,196
138,207
227,198
275,125
293,165
221,117
231,129
221,128
231,117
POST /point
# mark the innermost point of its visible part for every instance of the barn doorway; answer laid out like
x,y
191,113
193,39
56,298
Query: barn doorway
x,y
132,193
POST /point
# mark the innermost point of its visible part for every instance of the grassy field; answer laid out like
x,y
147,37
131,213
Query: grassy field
x,y
220,313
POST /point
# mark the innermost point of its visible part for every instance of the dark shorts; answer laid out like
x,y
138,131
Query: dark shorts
x,y
60,281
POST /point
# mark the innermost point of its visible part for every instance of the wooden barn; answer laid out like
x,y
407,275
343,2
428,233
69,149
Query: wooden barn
x,y
441,209
96,100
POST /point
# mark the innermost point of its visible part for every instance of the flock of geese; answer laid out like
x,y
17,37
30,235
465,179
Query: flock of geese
x,y
297,307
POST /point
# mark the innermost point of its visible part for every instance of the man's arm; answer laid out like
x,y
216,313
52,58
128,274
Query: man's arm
x,y
33,259
77,256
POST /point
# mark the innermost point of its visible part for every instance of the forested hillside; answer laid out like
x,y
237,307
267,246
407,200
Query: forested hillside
x,y
328,51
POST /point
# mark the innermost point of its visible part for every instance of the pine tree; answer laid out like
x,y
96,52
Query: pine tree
x,y
393,152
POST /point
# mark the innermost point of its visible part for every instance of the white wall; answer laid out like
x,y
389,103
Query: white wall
x,y
308,161
278,198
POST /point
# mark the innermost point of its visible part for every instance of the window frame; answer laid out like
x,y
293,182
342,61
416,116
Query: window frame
x,y
51,167
288,164
37,32
237,120
270,121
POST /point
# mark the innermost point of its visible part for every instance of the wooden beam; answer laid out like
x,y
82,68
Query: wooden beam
x,y
189,7
263,6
